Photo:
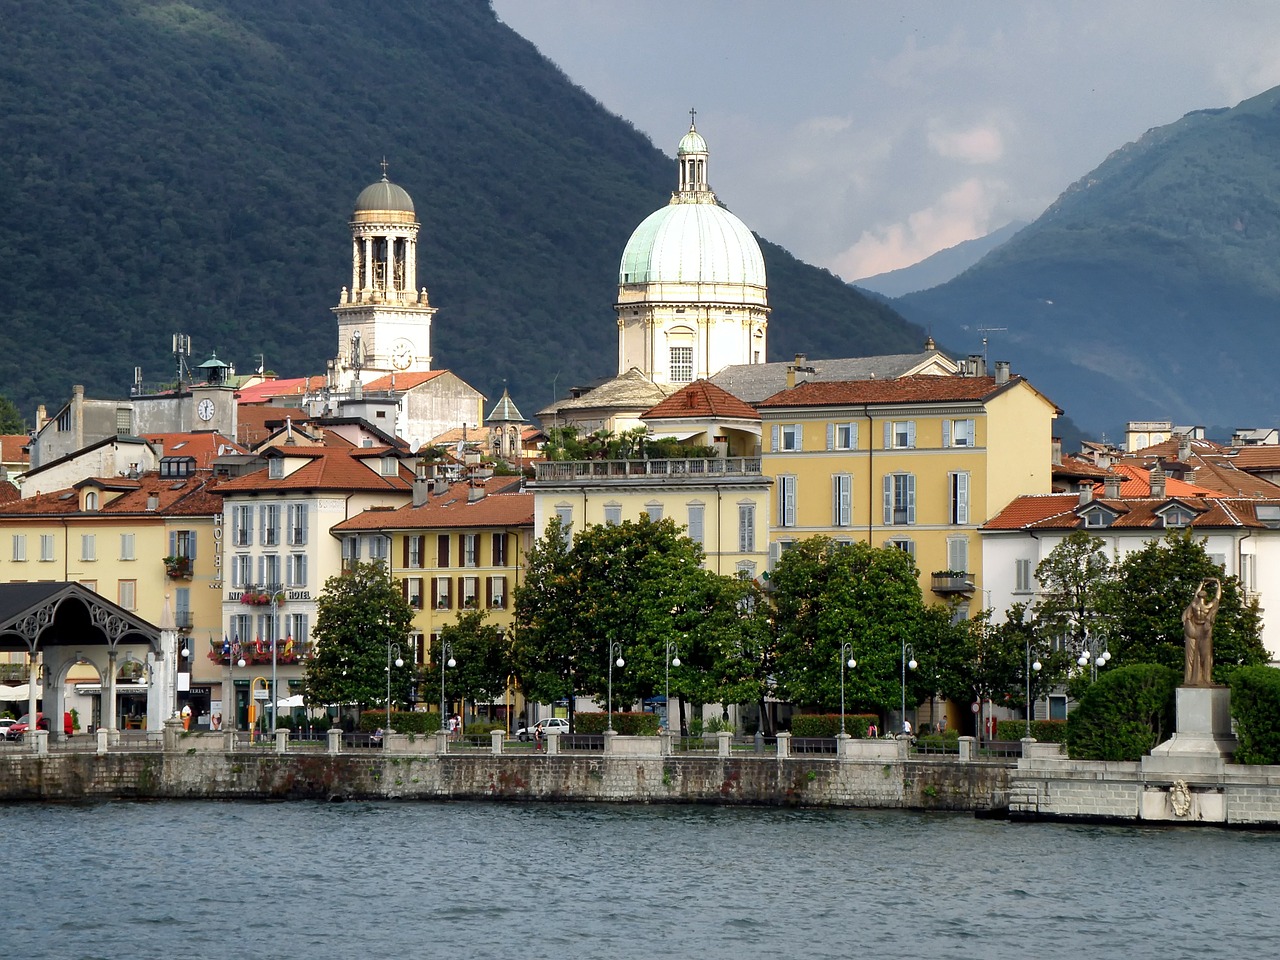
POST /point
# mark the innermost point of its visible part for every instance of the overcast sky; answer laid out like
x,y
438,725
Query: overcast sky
x,y
864,136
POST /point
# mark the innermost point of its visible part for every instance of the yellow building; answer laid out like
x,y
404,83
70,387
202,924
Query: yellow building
x,y
456,547
918,463
144,542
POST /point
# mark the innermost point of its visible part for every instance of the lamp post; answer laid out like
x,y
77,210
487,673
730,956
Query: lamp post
x,y
1090,659
446,660
614,648
1030,667
399,663
846,659
181,654
907,650
671,661
275,643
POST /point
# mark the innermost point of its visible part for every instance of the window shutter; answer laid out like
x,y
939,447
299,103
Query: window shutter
x,y
846,500
853,436
448,594
911,498
971,426
789,502
911,434
173,543
191,544
831,436
958,554
442,550
777,438
888,434
888,499
775,551
835,499
488,591
962,498
462,550
799,436
405,560
946,433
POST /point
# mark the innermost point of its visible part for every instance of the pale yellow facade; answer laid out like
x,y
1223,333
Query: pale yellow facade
x,y
921,476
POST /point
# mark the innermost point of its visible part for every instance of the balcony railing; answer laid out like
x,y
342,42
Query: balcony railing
x,y
183,620
255,651
951,581
638,469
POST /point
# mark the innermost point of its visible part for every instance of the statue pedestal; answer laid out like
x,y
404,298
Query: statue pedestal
x,y
1203,741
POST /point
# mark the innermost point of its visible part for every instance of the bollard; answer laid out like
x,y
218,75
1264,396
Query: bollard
x,y
553,744
442,742
966,749
842,745
665,743
724,743
784,746
496,738
335,740
101,734
609,736
759,740
282,740
39,741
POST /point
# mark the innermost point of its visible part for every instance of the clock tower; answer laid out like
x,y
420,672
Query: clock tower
x,y
384,318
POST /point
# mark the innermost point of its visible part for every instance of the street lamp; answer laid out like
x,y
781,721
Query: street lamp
x,y
846,660
907,650
1030,667
399,663
614,648
446,660
1091,660
671,661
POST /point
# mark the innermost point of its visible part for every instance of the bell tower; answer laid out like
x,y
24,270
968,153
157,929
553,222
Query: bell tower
x,y
384,319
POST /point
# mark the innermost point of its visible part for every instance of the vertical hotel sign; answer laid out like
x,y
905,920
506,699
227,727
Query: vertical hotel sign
x,y
216,584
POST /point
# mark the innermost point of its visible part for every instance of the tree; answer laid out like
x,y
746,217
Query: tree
x,y
1072,579
545,647
1143,607
481,651
11,420
358,615
827,594
992,660
1126,713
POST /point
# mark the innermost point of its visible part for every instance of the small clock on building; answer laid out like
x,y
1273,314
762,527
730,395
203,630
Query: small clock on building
x,y
401,354
205,409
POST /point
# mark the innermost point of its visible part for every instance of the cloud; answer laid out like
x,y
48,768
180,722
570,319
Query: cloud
x,y
979,144
960,214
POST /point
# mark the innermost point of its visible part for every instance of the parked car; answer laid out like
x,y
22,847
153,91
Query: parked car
x,y
20,726
545,725
5,724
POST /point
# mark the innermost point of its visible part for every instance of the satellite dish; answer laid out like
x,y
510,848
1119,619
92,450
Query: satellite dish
x,y
414,446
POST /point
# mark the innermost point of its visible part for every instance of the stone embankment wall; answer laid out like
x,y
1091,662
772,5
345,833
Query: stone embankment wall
x,y
761,780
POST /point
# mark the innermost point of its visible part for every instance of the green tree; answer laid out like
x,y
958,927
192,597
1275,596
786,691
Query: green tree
x,y
1126,713
482,654
358,615
545,647
992,660
11,420
1072,579
827,594
1143,607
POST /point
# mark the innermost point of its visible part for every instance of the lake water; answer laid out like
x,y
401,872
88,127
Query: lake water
x,y
187,881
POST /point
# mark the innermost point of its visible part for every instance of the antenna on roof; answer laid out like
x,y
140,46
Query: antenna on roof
x,y
984,339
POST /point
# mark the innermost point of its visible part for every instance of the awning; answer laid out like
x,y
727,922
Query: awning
x,y
20,692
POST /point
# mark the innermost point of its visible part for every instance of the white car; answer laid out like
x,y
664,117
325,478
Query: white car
x,y
5,724
545,726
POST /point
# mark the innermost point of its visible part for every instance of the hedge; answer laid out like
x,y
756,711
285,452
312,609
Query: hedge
x,y
1124,714
828,724
1046,731
1255,704
402,721
625,724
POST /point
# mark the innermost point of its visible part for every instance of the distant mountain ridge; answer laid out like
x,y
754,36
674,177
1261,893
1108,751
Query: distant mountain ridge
x,y
938,267
191,167
1149,289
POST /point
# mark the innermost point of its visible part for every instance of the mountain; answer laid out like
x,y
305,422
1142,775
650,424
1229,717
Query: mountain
x,y
1149,289
192,166
939,267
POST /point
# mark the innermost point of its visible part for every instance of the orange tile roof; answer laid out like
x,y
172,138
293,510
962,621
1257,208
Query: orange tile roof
x,y
1075,467
1168,449
1138,484
700,400
203,446
11,445
1257,458
1222,476
451,509
402,381
295,387
330,468
195,495
252,421
916,389
1058,512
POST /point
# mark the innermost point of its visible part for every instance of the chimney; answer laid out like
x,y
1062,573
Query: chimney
x,y
1112,483
1184,448
421,485
1157,482
153,502
475,492
1086,493
1055,451
1002,372
792,368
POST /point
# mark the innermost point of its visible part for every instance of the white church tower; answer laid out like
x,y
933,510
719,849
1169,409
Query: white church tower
x,y
384,319
692,296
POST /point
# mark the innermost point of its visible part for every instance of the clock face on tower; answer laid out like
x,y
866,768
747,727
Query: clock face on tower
x,y
205,409
401,354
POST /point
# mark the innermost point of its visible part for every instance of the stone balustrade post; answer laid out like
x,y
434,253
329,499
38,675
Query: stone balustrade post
x,y
442,742
842,745
39,742
172,734
784,746
495,740
966,749
282,740
334,744
553,744
101,734
609,736
724,743
664,747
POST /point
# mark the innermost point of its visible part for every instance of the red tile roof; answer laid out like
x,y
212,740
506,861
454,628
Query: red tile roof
x,y
11,445
204,446
701,400
1058,512
916,389
402,381
253,421
295,387
1074,467
330,468
196,495
1257,458
453,509
1137,483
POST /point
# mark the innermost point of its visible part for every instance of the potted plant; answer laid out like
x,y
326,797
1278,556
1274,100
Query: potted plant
x,y
177,567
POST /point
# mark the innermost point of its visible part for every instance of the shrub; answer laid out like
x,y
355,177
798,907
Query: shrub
x,y
946,742
626,724
828,724
1126,713
1255,704
1046,731
402,721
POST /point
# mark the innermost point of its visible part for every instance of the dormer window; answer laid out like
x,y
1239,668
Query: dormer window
x,y
1096,515
390,466
91,500
1176,518
275,468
